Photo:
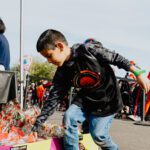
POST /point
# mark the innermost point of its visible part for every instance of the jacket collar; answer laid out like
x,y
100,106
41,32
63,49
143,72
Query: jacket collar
x,y
73,56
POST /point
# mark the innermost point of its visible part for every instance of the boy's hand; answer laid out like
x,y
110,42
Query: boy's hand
x,y
32,120
144,82
35,134
32,137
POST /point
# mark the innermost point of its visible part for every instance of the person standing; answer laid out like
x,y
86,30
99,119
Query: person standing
x,y
4,48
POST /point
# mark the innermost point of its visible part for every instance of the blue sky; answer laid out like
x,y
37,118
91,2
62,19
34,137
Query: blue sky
x,y
121,25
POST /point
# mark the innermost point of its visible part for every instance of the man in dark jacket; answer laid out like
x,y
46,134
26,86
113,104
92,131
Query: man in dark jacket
x,y
4,48
86,67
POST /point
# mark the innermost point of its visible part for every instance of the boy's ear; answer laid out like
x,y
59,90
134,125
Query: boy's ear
x,y
60,45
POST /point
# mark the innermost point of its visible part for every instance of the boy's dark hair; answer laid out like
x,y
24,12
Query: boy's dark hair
x,y
48,39
2,26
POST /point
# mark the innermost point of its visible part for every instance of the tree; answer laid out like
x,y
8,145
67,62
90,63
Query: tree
x,y
38,69
43,70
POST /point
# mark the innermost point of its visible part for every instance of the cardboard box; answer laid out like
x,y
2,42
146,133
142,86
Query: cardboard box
x,y
51,144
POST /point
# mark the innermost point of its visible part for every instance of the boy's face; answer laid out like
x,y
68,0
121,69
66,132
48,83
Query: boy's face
x,y
57,56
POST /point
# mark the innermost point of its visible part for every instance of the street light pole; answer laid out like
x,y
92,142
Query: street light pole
x,y
21,54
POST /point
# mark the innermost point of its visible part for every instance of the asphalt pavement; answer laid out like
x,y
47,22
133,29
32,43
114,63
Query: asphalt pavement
x,y
130,136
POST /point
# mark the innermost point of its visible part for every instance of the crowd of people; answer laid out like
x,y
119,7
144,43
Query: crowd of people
x,y
38,92
132,96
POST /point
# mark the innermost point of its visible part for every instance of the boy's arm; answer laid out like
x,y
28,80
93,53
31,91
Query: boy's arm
x,y
113,58
143,81
58,91
110,57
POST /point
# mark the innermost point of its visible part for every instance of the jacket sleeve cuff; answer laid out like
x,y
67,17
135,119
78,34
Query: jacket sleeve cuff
x,y
36,128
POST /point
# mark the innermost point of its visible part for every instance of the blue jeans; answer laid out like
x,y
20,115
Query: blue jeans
x,y
98,126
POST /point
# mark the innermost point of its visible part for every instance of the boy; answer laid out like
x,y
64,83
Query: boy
x,y
85,66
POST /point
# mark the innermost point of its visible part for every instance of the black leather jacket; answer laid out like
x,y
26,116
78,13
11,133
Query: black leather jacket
x,y
102,100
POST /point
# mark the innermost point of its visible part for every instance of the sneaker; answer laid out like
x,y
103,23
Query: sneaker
x,y
134,118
